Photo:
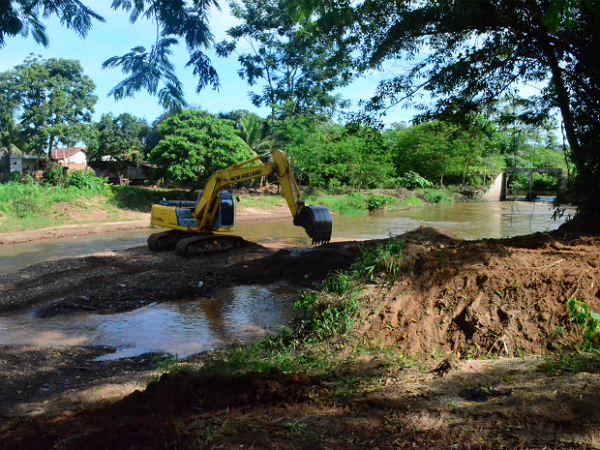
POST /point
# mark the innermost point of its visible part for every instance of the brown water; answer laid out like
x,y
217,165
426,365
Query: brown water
x,y
468,220
243,312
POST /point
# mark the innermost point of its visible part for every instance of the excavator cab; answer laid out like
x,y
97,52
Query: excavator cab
x,y
225,217
192,225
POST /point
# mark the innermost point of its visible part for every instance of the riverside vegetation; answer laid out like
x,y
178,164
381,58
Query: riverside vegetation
x,y
29,205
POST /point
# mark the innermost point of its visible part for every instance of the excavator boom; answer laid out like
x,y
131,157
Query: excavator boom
x,y
192,223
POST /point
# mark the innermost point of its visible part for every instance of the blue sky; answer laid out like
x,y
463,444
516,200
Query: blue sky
x,y
116,36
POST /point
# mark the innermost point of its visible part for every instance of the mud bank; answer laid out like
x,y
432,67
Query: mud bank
x,y
438,357
142,220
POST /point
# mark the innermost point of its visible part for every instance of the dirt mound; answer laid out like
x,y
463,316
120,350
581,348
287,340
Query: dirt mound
x,y
495,296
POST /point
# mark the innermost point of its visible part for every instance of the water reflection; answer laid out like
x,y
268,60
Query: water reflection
x,y
240,313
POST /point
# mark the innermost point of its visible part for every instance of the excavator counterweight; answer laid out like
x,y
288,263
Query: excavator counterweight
x,y
193,224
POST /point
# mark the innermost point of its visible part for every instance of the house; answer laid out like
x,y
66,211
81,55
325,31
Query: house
x,y
71,158
122,174
22,164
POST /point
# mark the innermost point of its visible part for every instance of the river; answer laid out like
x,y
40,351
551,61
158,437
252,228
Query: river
x,y
467,220
243,312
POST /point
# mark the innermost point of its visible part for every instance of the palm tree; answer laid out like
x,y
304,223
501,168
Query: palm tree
x,y
253,134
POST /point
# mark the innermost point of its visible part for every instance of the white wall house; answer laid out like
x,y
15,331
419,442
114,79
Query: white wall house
x,y
71,158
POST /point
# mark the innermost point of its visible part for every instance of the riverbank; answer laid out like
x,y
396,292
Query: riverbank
x,y
32,208
137,221
428,341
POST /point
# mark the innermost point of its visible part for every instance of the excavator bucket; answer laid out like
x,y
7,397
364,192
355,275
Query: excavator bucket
x,y
316,220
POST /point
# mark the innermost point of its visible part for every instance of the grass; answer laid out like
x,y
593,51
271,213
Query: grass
x,y
320,340
29,206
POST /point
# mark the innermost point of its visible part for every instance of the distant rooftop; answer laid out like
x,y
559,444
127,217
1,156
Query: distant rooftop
x,y
62,153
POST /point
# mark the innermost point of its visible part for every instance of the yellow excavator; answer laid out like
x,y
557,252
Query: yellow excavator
x,y
193,224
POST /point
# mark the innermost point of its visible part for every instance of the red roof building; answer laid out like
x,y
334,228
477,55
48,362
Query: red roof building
x,y
71,158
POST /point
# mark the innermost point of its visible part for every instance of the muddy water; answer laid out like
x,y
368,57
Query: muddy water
x,y
241,313
468,220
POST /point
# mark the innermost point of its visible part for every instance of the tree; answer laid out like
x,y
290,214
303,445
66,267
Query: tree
x,y
11,137
118,141
195,145
300,66
468,54
51,99
332,155
254,133
149,70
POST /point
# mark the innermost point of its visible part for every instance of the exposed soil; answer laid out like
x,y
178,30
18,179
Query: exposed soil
x,y
456,303
480,297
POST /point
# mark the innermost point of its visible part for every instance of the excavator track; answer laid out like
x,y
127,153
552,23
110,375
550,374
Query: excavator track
x,y
167,240
207,243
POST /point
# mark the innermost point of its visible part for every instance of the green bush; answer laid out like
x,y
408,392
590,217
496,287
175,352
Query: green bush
x,y
14,177
588,321
435,196
375,202
544,182
86,179
412,180
55,175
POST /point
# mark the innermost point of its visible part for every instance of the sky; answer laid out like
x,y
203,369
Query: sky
x,y
117,36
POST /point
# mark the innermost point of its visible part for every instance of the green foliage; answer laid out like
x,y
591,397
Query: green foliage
x,y
86,179
435,196
55,175
14,177
412,180
588,321
476,52
195,144
321,318
326,154
52,100
299,65
338,283
385,259
117,141
544,182
376,202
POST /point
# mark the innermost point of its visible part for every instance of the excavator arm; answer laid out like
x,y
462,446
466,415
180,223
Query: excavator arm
x,y
189,219
316,220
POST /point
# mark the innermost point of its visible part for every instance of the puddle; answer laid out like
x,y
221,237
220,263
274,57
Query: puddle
x,y
242,313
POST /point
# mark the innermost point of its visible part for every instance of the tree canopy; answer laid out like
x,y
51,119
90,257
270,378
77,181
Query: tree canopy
x,y
51,99
300,66
195,144
466,55
119,140
145,69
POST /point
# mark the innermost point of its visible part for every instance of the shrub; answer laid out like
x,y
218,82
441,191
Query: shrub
x,y
435,196
86,179
412,180
55,175
375,202
14,177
